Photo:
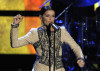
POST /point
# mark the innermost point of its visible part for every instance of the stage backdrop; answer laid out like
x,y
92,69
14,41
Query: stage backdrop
x,y
27,23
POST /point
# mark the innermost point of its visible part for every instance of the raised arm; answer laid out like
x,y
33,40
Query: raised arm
x,y
29,38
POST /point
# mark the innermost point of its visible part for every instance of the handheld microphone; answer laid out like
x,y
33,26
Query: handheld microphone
x,y
54,26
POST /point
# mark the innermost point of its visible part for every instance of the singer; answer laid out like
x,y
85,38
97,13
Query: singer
x,y
49,54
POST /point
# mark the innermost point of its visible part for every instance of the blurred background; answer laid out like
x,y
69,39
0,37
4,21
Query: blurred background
x,y
80,17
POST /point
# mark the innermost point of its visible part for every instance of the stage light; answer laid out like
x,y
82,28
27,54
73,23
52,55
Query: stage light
x,y
59,21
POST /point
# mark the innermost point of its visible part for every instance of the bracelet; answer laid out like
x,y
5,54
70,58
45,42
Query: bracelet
x,y
14,25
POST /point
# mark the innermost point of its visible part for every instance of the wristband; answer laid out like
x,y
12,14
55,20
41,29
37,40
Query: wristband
x,y
14,25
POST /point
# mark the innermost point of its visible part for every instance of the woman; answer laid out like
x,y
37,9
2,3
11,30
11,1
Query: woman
x,y
41,37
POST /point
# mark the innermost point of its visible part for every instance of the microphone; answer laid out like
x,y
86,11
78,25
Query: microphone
x,y
54,26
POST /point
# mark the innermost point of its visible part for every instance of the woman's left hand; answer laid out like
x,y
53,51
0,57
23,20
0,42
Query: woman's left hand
x,y
80,62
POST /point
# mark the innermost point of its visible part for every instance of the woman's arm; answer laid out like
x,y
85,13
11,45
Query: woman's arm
x,y
73,45
71,42
29,38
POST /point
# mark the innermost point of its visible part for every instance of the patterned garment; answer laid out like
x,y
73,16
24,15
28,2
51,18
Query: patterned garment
x,y
44,44
39,39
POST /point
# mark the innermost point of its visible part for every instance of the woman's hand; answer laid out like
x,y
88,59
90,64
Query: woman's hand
x,y
17,19
80,63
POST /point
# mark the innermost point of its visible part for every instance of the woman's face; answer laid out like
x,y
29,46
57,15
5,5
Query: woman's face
x,y
48,17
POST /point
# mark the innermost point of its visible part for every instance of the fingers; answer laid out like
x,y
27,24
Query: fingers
x,y
80,63
18,18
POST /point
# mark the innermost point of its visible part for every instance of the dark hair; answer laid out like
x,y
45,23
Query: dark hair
x,y
44,9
